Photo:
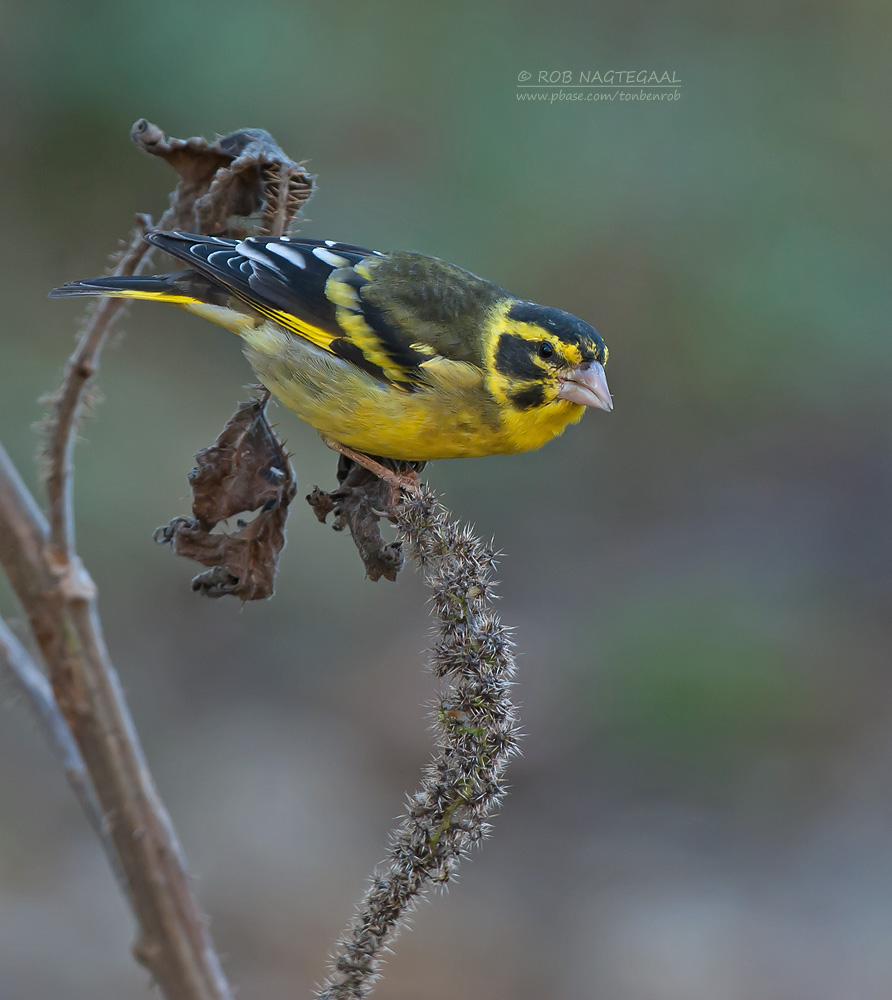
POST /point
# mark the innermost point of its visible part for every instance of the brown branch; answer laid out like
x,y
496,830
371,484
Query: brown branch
x,y
60,600
82,366
217,180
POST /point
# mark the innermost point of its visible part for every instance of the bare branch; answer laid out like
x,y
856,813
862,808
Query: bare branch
x,y
59,597
82,366
60,600
476,726
217,180
23,530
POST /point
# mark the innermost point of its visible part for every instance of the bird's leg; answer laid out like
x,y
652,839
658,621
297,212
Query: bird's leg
x,y
263,394
408,482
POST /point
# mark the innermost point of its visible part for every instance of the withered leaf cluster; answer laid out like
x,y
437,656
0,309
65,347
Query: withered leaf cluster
x,y
222,183
245,470
358,504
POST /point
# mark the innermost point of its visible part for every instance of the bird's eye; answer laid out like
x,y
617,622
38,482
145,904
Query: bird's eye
x,y
545,350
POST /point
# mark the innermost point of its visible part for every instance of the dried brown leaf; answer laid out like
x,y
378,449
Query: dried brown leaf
x,y
241,174
246,469
358,504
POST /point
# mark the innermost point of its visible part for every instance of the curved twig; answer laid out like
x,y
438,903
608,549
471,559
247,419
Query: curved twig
x,y
82,366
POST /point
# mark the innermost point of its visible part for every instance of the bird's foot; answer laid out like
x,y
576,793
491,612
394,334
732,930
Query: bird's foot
x,y
407,481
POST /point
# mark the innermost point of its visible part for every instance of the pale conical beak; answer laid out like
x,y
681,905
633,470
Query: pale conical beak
x,y
587,385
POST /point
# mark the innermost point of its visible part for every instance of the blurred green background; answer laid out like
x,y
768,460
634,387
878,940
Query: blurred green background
x,y
701,581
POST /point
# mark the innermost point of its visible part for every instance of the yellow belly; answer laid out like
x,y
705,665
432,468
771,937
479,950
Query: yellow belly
x,y
455,417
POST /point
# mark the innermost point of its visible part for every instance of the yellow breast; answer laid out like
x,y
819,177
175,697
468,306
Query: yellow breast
x,y
453,416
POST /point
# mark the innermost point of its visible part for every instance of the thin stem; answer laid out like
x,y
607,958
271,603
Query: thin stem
x,y
82,366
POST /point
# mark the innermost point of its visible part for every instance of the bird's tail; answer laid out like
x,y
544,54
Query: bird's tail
x,y
187,289
160,287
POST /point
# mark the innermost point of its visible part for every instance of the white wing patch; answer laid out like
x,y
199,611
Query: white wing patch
x,y
332,259
291,254
247,250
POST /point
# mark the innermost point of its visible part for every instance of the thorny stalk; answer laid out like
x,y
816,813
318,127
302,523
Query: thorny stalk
x,y
476,733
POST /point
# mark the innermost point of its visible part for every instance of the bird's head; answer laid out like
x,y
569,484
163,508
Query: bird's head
x,y
541,356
